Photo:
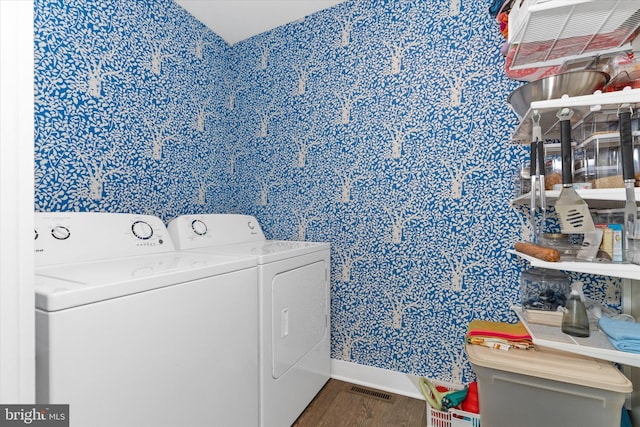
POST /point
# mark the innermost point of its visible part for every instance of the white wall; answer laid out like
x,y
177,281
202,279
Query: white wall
x,y
17,336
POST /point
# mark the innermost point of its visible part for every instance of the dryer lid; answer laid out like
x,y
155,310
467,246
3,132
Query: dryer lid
x,y
268,251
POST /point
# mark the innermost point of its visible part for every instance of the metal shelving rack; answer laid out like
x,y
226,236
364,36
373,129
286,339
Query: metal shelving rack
x,y
621,270
599,198
547,33
597,345
583,108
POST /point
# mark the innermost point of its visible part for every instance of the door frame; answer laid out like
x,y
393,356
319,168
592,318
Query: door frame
x,y
17,323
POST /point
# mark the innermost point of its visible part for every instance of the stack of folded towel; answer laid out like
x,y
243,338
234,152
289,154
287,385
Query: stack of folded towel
x,y
499,335
623,334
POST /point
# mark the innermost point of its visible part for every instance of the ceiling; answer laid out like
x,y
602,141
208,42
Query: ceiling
x,y
236,20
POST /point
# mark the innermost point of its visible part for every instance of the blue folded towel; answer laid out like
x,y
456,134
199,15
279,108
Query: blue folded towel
x,y
624,335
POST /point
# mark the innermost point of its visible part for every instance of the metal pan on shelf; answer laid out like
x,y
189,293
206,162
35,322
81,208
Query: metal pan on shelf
x,y
572,83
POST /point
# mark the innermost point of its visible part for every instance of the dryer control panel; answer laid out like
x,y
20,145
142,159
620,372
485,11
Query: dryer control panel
x,y
72,237
206,230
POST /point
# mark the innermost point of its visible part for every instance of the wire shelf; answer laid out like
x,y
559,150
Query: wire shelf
x,y
550,32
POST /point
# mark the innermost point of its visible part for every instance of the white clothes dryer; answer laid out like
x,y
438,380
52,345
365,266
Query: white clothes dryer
x,y
130,332
293,282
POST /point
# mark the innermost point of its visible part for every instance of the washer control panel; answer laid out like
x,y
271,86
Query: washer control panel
x,y
199,227
66,237
60,232
142,230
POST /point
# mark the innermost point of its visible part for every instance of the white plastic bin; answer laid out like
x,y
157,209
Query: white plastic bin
x,y
453,417
544,387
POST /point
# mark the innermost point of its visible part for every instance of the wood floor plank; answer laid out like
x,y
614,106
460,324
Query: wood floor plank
x,y
320,404
336,406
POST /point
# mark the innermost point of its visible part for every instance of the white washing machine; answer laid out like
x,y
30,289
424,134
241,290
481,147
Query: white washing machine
x,y
293,281
132,333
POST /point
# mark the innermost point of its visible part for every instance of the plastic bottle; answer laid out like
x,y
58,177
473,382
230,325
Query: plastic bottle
x,y
574,320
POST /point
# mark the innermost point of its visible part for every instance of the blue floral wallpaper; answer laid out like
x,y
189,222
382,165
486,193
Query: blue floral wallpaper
x,y
379,126
129,108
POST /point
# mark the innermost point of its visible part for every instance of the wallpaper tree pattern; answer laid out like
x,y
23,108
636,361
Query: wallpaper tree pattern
x,y
381,127
129,108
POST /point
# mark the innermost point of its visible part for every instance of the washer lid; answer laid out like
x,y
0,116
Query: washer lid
x,y
269,250
70,285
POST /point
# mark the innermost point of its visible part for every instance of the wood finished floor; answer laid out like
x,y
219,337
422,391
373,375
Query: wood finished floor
x,y
337,406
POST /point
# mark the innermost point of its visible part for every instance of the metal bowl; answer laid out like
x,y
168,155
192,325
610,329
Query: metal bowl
x,y
572,83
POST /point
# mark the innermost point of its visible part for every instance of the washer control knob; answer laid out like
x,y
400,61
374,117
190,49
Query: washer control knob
x,y
199,227
251,225
35,237
142,230
60,232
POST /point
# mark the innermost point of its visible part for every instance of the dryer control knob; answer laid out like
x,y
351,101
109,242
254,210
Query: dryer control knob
x,y
61,233
142,230
199,227
35,237
251,225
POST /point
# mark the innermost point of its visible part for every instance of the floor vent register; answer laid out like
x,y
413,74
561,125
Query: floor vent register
x,y
376,394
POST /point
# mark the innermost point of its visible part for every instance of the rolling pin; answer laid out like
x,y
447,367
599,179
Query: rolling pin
x,y
537,251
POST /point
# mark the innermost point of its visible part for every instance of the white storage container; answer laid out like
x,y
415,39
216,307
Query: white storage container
x,y
546,387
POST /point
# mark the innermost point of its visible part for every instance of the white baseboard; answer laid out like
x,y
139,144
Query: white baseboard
x,y
378,378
